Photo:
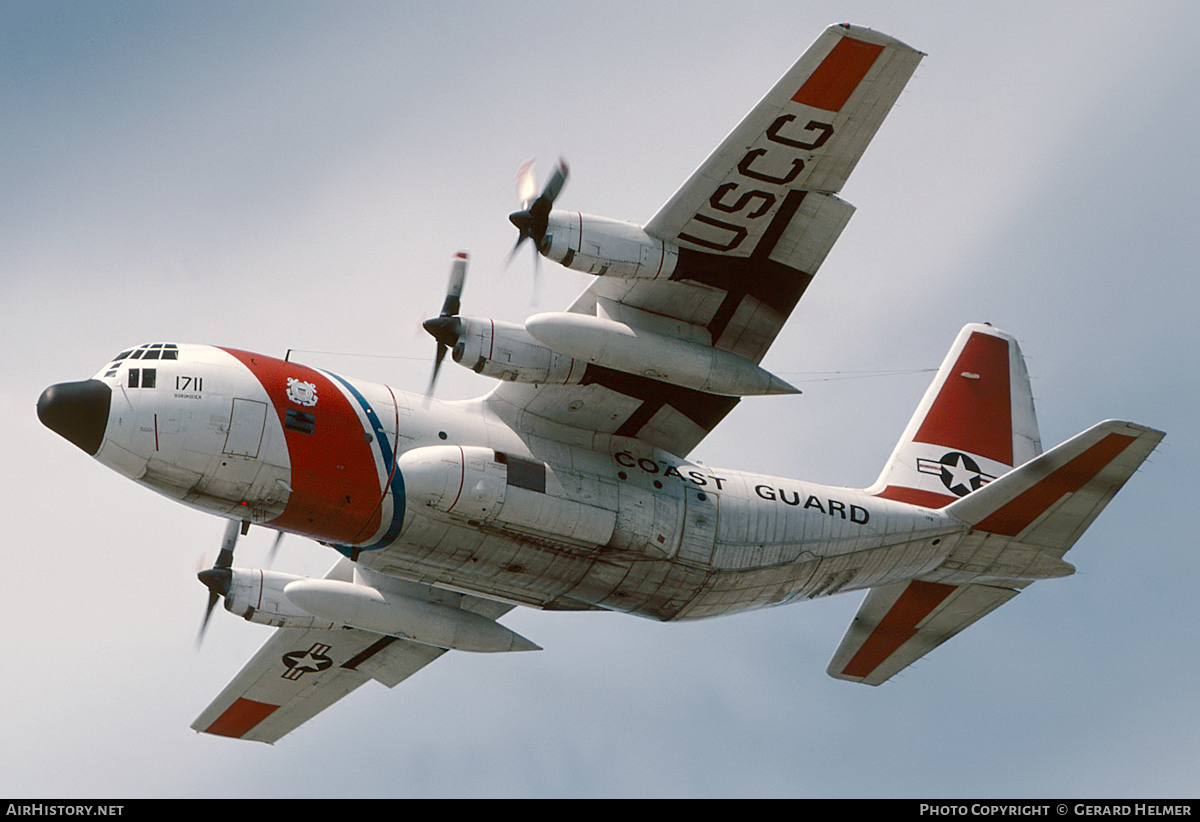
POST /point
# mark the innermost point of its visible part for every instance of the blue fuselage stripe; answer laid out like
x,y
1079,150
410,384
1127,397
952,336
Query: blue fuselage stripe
x,y
397,480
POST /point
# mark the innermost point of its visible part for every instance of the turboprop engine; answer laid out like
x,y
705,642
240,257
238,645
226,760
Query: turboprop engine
x,y
554,348
502,350
596,245
506,351
606,247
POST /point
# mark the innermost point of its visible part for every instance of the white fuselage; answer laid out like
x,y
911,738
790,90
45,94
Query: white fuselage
x,y
449,494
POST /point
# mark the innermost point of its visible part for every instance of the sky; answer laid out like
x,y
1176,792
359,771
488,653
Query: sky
x,y
298,175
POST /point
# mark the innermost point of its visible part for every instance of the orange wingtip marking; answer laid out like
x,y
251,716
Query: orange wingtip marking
x,y
240,717
830,86
1019,514
898,626
916,496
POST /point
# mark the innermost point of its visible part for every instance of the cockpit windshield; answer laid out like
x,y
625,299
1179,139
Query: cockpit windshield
x,y
150,351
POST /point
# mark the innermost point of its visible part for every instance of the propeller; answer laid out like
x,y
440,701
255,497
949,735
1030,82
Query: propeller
x,y
531,221
447,327
274,549
218,578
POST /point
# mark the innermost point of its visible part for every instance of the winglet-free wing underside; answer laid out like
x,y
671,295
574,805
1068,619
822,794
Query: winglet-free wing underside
x,y
747,233
298,673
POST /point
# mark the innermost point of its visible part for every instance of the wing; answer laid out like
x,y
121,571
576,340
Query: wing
x,y
298,673
751,226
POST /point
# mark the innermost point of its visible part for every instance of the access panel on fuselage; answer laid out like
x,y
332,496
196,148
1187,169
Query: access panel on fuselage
x,y
699,534
246,423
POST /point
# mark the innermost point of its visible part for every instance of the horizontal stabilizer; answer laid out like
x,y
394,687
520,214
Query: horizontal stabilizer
x,y
1026,520
898,624
1051,500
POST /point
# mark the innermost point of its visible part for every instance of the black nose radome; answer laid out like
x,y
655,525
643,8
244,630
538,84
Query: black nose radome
x,y
77,411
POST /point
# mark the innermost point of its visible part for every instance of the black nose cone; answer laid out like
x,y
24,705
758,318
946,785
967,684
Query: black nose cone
x,y
77,411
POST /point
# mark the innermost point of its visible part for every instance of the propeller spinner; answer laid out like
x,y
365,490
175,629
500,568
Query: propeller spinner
x,y
532,219
218,578
447,327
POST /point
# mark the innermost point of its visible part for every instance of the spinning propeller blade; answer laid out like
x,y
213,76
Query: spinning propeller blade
x,y
526,184
274,549
218,578
447,328
532,218
531,221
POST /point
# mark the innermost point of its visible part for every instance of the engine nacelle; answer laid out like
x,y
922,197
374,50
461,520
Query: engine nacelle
x,y
607,247
506,351
257,596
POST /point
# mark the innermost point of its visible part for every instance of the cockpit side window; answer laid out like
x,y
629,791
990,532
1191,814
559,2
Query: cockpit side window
x,y
142,378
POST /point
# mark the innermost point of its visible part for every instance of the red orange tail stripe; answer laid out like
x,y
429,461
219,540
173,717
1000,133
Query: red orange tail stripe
x,y
973,411
1016,516
898,626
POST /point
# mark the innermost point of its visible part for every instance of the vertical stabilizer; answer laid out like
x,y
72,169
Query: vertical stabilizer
x,y
975,423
